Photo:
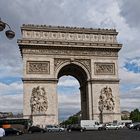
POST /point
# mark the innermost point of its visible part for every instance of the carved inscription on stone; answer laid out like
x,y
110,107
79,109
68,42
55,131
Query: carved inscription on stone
x,y
104,68
38,100
38,67
106,100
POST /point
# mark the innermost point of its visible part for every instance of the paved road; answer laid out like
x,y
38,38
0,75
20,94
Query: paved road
x,y
87,135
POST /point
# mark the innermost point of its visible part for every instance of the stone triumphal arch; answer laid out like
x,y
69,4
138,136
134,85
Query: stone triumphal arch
x,y
90,55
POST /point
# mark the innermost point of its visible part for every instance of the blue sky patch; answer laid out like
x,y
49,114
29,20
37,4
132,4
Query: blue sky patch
x,y
9,80
133,65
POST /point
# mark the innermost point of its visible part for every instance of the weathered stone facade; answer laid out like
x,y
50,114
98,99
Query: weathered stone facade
x,y
90,55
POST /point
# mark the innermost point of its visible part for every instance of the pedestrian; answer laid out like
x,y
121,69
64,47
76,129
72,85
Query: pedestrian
x,y
2,132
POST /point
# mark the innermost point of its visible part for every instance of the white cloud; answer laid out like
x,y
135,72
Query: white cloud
x,y
68,81
14,88
130,11
128,77
69,104
130,104
69,100
11,97
11,103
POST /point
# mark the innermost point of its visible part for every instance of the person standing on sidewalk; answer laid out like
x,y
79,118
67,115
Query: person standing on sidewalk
x,y
2,132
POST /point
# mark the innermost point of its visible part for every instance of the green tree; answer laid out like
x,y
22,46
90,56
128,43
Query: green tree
x,y
74,119
135,115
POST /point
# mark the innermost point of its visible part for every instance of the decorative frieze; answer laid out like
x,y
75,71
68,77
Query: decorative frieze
x,y
69,52
48,35
38,67
104,68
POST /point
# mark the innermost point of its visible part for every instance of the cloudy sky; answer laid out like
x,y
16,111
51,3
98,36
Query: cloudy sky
x,y
120,14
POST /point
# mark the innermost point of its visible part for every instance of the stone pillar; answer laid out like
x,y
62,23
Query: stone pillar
x,y
40,101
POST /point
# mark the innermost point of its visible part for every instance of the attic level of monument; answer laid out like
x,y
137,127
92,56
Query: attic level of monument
x,y
59,36
69,34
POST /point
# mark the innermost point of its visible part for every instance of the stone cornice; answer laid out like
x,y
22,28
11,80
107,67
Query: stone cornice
x,y
49,115
108,113
39,80
32,27
32,43
101,80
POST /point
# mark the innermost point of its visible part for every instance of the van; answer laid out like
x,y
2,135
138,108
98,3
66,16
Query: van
x,y
91,125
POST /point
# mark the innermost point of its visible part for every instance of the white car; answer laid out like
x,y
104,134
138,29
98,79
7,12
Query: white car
x,y
54,128
111,126
121,125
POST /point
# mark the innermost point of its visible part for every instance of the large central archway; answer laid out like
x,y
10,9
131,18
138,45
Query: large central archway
x,y
79,73
89,55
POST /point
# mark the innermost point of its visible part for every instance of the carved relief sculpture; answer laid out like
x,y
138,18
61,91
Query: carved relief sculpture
x,y
106,101
38,67
84,62
104,68
38,100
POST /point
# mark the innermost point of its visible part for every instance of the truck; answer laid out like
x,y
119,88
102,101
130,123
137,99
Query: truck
x,y
91,125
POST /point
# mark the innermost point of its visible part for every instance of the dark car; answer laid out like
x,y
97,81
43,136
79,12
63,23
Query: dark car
x,y
12,131
137,127
75,127
33,129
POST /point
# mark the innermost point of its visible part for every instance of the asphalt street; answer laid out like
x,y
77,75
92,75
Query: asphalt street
x,y
87,135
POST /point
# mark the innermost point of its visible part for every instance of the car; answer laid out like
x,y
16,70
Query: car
x,y
137,127
12,131
33,129
111,126
54,128
121,125
75,127
131,126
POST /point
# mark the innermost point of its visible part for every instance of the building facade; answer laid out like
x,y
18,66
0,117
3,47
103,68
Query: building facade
x,y
90,55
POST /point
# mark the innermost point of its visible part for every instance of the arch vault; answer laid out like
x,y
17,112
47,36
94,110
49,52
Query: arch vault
x,y
89,55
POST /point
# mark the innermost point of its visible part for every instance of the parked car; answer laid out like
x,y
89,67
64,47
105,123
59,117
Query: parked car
x,y
12,131
75,127
91,125
121,125
54,128
137,127
131,126
33,129
111,126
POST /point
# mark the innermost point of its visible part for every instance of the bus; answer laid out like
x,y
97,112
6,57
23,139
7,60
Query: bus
x,y
15,122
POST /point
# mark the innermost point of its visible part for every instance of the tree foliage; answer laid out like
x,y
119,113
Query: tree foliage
x,y
135,115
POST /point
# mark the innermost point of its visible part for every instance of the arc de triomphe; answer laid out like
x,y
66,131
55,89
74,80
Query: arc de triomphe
x,y
90,55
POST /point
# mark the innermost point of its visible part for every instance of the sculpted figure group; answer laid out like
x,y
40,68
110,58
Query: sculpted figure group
x,y
38,101
106,101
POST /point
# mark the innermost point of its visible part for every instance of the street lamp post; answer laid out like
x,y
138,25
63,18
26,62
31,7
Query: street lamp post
x,y
9,33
